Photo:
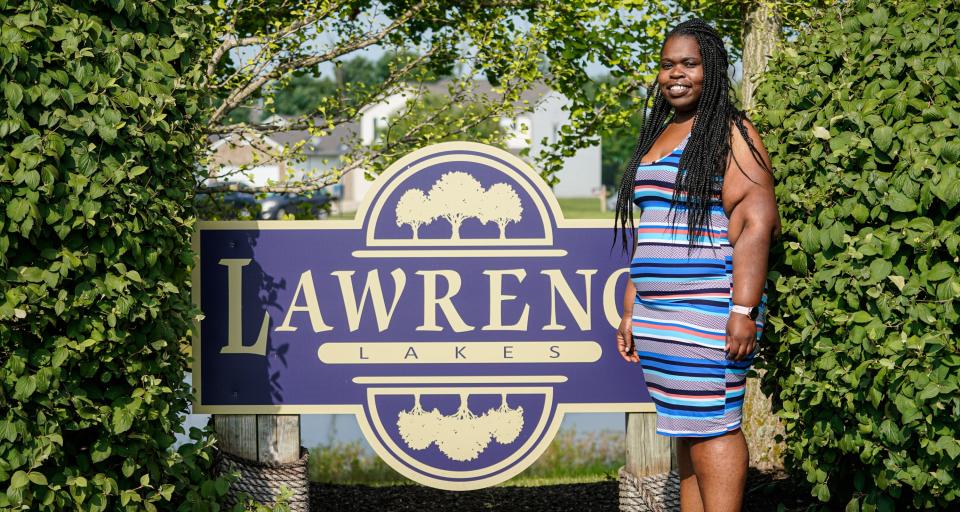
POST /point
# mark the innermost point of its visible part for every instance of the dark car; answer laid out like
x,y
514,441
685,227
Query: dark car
x,y
313,205
227,200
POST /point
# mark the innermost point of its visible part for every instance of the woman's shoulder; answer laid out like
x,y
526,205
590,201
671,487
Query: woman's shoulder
x,y
749,156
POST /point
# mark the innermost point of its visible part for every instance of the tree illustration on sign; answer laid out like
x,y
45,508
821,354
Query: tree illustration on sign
x,y
501,206
462,436
456,196
414,209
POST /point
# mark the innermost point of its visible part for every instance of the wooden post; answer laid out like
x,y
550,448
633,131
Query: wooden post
x,y
648,453
272,439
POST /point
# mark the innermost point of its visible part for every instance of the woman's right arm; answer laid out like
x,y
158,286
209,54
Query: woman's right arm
x,y
625,331
629,297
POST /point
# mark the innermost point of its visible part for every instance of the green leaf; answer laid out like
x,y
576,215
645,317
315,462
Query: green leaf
x,y
128,467
898,281
19,479
17,209
879,270
821,133
37,478
8,431
14,94
122,420
860,213
822,492
900,203
26,385
101,450
939,272
883,137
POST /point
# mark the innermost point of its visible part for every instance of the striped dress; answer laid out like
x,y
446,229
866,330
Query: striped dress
x,y
681,309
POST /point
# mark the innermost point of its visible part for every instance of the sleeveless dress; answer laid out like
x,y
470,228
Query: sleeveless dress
x,y
681,309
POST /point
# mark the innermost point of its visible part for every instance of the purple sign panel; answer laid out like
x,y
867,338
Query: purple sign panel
x,y
459,316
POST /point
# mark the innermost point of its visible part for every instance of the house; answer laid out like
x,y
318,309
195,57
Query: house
x,y
579,176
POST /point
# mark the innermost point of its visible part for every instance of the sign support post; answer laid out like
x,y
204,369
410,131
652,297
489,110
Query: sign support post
x,y
265,449
648,453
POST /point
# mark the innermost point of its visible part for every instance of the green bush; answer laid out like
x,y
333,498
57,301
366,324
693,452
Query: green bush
x,y
861,115
97,141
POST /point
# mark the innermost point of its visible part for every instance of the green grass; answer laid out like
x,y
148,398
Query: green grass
x,y
583,208
572,457
573,208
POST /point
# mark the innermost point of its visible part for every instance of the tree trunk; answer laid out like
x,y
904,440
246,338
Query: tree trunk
x,y
455,226
761,33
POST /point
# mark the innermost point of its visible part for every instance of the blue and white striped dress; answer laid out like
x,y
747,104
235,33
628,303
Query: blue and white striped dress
x,y
681,309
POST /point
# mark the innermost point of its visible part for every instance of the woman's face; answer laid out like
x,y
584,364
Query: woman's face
x,y
681,73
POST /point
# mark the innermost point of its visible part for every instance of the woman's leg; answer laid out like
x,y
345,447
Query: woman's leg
x,y
720,465
689,490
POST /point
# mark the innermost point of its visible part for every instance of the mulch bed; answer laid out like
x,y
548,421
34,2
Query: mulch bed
x,y
768,490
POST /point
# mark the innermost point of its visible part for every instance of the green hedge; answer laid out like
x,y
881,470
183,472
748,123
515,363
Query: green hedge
x,y
861,115
97,141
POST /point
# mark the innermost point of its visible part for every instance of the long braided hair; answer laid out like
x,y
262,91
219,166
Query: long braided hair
x,y
704,160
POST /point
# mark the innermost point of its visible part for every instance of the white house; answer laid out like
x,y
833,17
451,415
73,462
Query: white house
x,y
579,176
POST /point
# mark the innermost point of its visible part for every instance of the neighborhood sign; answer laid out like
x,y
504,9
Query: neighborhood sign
x,y
459,316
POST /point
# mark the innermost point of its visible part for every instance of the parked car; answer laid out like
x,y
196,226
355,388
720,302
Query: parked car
x,y
314,205
227,200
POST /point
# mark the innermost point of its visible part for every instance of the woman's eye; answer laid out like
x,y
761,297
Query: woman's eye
x,y
665,65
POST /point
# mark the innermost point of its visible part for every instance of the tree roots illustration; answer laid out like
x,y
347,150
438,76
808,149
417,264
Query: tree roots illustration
x,y
462,436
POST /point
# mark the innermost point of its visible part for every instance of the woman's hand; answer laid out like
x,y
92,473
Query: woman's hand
x,y
625,340
741,336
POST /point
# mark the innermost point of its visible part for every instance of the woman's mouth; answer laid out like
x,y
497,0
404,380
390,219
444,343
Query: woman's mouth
x,y
677,90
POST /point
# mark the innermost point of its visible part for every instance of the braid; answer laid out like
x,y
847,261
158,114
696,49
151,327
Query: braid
x,y
652,126
704,161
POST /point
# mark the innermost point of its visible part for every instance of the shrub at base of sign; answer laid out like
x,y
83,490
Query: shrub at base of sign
x,y
462,436
97,141
861,116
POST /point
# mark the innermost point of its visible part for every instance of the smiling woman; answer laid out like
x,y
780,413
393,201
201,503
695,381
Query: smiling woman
x,y
692,312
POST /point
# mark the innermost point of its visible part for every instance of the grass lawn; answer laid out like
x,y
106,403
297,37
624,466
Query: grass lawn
x,y
583,208
573,208
572,458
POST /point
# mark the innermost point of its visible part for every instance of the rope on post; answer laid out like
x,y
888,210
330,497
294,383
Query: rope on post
x,y
656,493
261,481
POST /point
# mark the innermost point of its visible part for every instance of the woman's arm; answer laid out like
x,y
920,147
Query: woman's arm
x,y
748,195
625,331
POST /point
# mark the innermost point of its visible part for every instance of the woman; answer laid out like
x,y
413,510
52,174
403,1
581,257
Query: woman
x,y
693,309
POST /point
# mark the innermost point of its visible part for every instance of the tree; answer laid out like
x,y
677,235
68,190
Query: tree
x,y
456,196
755,28
263,46
413,209
502,206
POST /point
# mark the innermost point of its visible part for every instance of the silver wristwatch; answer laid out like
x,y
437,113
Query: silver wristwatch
x,y
751,311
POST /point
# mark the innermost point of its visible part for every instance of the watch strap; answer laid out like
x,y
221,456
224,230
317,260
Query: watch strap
x,y
750,311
